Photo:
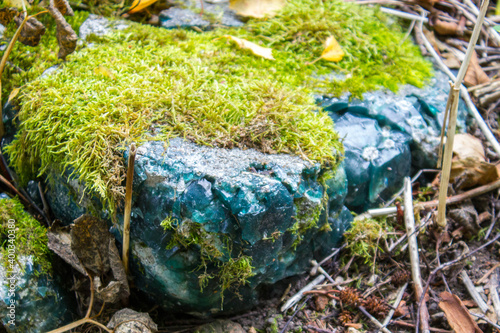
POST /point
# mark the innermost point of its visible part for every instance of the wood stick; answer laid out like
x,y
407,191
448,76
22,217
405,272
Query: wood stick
x,y
373,320
430,204
405,324
452,121
295,298
395,305
463,90
414,258
494,294
473,292
128,207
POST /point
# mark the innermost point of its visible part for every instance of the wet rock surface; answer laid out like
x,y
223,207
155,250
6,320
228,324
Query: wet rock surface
x,y
42,303
188,14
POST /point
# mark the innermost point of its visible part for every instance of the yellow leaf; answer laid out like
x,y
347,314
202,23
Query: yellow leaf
x,y
101,70
16,3
13,94
260,51
332,51
256,8
139,5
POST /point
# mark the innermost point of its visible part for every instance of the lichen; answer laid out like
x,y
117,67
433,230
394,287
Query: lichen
x,y
155,84
215,252
30,237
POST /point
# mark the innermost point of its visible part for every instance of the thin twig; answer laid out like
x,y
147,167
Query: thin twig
x,y
295,298
374,320
493,284
486,319
296,311
128,207
430,204
414,258
473,292
395,305
448,264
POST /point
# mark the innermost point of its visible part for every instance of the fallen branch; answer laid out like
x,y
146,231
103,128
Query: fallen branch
x,y
431,204
405,324
414,258
374,320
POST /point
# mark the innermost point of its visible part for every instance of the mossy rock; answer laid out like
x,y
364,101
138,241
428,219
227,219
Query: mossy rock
x,y
40,301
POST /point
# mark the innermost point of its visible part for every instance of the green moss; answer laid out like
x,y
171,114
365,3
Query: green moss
x,y
214,250
365,238
307,217
146,83
27,63
30,237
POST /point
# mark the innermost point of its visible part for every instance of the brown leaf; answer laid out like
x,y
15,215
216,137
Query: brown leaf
x,y
470,172
321,301
66,36
256,8
445,27
64,7
402,310
457,315
60,242
475,74
90,242
32,31
466,145
451,60
118,270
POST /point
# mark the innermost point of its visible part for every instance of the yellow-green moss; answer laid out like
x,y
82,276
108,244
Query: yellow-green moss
x,y
214,250
146,83
365,238
30,237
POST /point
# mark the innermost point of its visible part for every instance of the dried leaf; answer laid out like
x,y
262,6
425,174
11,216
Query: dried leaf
x,y
32,31
101,70
451,60
90,242
139,5
60,242
13,94
332,51
475,74
470,172
260,51
466,145
457,315
256,8
466,216
66,36
445,27
321,301
118,270
64,7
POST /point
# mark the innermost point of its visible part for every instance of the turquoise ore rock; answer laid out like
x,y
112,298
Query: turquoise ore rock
x,y
275,210
388,136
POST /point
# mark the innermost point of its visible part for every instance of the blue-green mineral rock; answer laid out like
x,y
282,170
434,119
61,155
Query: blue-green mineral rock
x,y
386,135
222,211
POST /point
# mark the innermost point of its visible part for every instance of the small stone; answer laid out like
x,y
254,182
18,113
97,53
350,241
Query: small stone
x,y
130,321
222,326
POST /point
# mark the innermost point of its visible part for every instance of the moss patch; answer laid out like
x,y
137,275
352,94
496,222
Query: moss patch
x,y
30,237
214,250
146,83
